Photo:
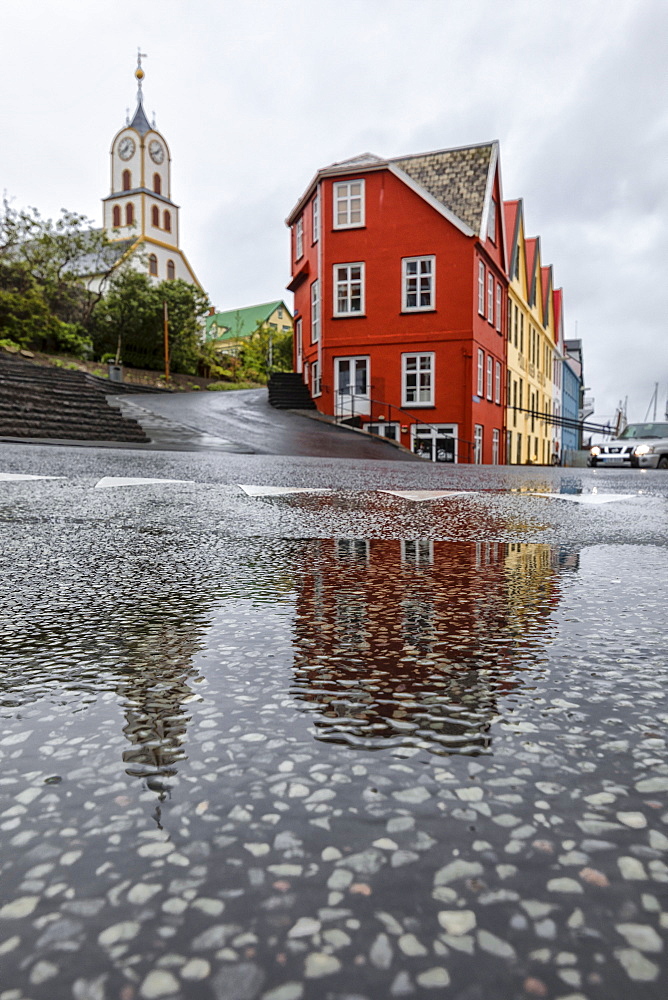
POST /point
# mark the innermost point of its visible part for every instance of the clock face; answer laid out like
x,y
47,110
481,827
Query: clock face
x,y
126,148
156,152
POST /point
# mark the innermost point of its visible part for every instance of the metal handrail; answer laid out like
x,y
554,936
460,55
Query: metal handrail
x,y
410,418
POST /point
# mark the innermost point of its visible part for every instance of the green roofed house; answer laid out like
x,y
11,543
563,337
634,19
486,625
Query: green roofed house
x,y
228,328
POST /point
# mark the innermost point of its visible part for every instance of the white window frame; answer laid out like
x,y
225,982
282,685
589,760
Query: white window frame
x,y
316,379
481,373
315,311
418,371
481,288
299,237
490,298
477,444
347,203
499,307
299,345
497,383
416,281
496,441
490,376
344,289
315,218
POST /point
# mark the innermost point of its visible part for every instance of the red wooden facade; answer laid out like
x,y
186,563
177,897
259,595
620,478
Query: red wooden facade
x,y
399,276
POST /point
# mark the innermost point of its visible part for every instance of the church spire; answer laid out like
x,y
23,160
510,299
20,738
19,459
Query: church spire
x,y
140,121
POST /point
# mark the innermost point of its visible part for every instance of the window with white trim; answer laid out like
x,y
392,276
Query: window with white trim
x,y
481,288
417,382
315,311
477,444
348,289
315,218
299,237
348,204
481,373
490,369
490,298
417,283
497,383
495,446
498,308
316,385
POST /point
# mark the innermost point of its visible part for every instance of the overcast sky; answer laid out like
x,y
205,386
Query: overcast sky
x,y
254,96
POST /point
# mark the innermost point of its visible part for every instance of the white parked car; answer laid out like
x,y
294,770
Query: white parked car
x,y
639,446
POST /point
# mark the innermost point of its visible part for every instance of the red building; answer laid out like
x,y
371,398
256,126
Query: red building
x,y
399,276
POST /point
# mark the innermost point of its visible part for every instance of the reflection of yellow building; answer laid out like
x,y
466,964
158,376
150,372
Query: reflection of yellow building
x,y
530,582
531,347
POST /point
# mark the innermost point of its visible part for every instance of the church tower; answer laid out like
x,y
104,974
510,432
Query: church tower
x,y
140,207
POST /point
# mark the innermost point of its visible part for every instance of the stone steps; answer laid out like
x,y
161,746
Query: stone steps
x,y
287,391
40,402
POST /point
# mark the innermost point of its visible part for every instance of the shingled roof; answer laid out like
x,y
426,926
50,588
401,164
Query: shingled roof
x,y
457,178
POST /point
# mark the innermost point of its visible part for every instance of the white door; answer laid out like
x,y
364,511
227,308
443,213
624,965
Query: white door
x,y
351,383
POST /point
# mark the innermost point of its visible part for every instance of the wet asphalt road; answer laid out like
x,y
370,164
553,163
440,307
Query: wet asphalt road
x,y
243,421
330,745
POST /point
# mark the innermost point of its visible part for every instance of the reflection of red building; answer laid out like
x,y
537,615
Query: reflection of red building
x,y
399,275
413,641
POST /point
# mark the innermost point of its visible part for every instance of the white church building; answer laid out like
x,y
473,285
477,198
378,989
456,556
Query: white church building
x,y
139,211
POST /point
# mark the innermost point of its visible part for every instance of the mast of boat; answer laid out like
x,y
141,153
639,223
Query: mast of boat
x,y
653,402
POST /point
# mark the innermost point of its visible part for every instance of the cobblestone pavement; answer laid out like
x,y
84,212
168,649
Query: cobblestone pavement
x,y
283,728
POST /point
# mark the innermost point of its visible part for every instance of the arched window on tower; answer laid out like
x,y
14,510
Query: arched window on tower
x,y
157,183
155,216
127,180
116,216
171,270
167,221
129,214
153,264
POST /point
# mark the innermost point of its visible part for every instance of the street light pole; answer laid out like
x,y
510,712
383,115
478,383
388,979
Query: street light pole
x,y
165,333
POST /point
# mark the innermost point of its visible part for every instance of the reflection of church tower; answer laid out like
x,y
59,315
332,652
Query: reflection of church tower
x,y
140,206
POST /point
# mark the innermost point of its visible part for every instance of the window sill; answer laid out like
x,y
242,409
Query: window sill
x,y
418,406
410,312
354,315
354,225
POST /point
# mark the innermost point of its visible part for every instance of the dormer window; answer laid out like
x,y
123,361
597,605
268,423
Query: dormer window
x,y
157,183
127,180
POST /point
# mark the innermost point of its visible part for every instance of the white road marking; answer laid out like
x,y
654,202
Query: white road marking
x,y
278,491
15,476
110,481
590,498
426,494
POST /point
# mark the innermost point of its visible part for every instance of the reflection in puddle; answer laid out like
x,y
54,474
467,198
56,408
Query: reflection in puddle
x,y
411,643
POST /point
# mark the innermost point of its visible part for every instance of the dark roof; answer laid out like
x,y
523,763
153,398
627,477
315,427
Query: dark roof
x,y
457,178
140,121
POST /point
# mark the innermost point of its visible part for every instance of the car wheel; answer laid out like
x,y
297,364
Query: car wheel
x,y
663,462
592,463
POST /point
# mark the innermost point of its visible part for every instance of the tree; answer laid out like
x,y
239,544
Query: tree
x,y
132,310
61,257
266,350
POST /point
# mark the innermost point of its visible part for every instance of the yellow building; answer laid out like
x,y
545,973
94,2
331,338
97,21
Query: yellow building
x,y
531,434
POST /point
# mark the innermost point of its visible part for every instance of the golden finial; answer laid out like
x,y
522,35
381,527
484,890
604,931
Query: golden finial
x,y
139,72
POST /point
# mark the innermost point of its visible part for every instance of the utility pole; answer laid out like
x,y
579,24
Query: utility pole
x,y
165,333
